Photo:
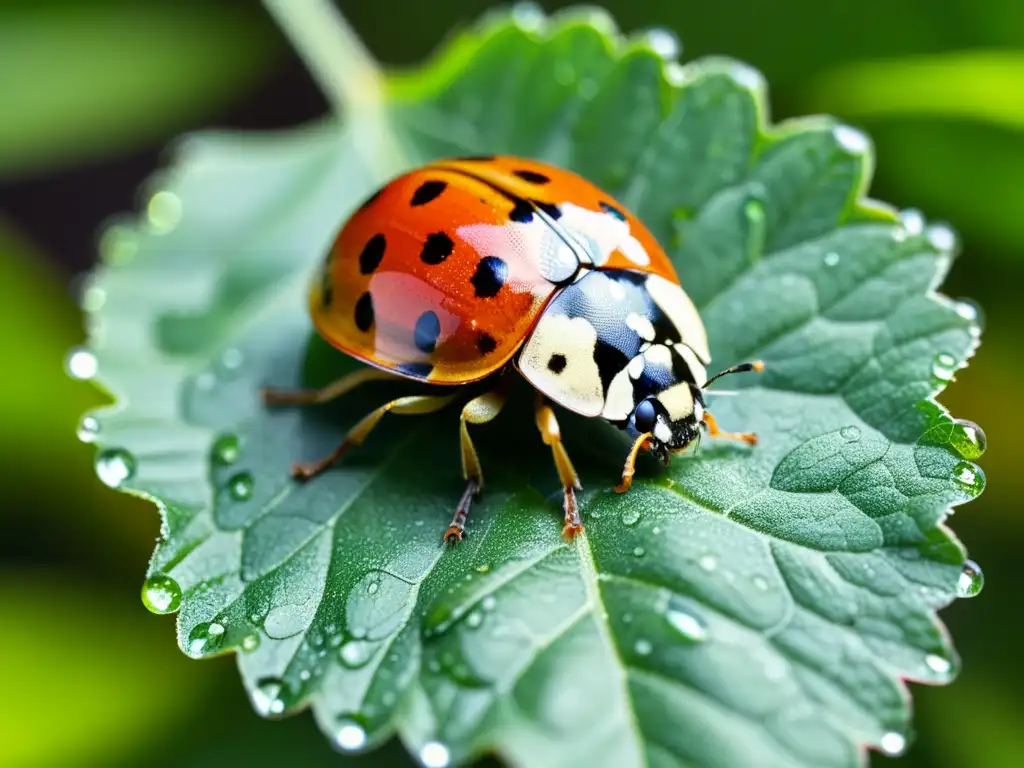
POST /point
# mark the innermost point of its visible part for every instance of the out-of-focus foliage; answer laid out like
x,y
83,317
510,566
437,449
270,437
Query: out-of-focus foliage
x,y
58,519
96,78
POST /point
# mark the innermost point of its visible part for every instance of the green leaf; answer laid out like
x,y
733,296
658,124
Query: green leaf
x,y
766,602
87,80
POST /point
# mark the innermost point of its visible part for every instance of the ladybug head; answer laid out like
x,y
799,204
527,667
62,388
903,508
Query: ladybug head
x,y
671,418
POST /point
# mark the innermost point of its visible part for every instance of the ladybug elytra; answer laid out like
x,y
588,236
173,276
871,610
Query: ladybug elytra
x,y
474,268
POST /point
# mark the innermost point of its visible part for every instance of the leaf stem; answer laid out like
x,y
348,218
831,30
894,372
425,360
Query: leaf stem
x,y
335,56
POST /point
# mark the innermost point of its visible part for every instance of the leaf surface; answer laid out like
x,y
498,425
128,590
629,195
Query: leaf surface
x,y
765,602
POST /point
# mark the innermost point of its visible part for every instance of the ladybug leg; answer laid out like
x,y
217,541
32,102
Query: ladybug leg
x,y
747,437
629,469
552,435
479,410
405,406
333,390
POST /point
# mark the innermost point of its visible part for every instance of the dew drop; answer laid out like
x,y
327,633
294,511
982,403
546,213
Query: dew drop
x,y
356,653
968,439
474,619
88,429
938,664
528,16
266,696
240,486
250,642
944,366
114,466
761,583
350,735
850,139
81,364
968,475
118,244
831,259
643,647
434,754
676,74
970,311
638,551
893,744
971,580
205,639
708,563
161,594
226,450
630,517
163,211
488,603
687,625
746,76
850,433
942,238
663,42
913,221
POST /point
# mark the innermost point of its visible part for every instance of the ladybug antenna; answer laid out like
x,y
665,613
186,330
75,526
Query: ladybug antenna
x,y
757,366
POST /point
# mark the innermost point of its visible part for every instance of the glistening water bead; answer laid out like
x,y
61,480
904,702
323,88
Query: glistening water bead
x,y
161,594
971,580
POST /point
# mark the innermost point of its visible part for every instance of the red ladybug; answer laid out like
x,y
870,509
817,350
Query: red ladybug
x,y
472,268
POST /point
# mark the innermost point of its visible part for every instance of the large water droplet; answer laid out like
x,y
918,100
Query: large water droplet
x,y
251,642
944,366
938,664
205,639
474,620
638,551
708,563
969,476
850,433
969,310
663,42
913,221
114,466
942,238
488,603
88,429
350,735
93,298
687,625
434,754
831,259
266,696
232,359
161,594
643,647
240,486
226,450
850,139
81,364
971,580
163,211
968,439
356,653
630,516
893,744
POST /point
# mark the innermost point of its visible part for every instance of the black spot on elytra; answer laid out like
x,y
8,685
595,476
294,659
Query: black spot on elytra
x,y
522,211
364,312
372,254
486,343
437,248
326,285
609,208
491,274
550,209
610,360
557,363
428,328
476,158
427,191
532,176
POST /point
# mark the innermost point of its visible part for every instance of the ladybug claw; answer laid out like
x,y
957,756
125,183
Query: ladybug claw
x,y
452,536
303,472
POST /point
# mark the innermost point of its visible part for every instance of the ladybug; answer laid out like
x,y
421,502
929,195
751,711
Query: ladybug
x,y
472,269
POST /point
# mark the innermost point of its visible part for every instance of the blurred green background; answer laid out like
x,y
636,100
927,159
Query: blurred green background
x,y
90,95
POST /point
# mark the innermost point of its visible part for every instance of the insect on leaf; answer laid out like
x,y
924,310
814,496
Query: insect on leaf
x,y
766,601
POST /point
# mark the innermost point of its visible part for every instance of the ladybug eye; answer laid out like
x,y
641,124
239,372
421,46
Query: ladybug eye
x,y
644,416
